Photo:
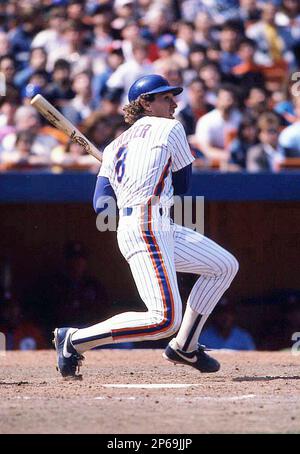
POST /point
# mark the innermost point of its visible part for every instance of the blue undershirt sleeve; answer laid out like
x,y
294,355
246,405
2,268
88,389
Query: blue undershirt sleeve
x,y
181,180
103,194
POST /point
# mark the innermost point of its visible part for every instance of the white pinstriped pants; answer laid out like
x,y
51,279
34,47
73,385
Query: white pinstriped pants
x,y
156,250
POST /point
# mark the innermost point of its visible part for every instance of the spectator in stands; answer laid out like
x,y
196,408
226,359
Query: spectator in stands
x,y
220,10
122,127
8,68
8,106
102,32
204,34
168,53
37,62
257,101
32,89
229,40
142,7
216,129
289,16
247,136
22,155
74,49
196,106
5,46
184,37
124,76
59,92
130,34
75,9
274,43
22,35
113,60
223,331
248,73
190,8
283,100
196,56
249,13
27,119
39,78
289,138
157,22
110,106
98,127
276,92
51,38
37,83
211,73
73,157
83,103
267,154
213,53
124,11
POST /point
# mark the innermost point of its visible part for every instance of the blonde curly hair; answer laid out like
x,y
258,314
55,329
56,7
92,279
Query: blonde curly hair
x,y
134,110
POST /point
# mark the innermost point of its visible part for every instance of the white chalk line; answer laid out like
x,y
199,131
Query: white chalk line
x,y
185,399
151,385
181,399
116,398
225,398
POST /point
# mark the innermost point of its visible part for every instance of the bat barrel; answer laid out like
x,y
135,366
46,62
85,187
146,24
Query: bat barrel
x,y
60,122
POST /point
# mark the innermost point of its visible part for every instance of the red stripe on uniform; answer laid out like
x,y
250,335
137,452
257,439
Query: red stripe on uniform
x,y
161,180
162,264
162,291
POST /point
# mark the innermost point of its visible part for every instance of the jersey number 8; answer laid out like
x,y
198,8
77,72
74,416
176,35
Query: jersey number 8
x,y
120,164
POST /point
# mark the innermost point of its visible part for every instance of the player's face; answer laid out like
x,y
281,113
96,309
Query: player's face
x,y
164,105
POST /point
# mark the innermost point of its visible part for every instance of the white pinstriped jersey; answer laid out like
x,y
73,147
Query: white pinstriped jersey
x,y
139,163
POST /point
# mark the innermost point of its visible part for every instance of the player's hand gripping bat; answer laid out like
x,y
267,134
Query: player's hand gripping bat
x,y
63,124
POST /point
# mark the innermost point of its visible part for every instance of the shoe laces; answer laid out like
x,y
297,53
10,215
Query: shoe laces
x,y
203,348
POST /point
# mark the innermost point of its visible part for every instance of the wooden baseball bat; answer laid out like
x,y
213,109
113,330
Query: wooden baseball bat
x,y
63,124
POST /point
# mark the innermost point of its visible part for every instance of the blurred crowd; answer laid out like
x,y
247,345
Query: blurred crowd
x,y
239,61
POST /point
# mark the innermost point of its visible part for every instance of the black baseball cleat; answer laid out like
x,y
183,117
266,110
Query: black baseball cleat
x,y
197,359
68,359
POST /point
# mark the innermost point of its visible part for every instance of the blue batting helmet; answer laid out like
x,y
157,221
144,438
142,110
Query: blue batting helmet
x,y
150,85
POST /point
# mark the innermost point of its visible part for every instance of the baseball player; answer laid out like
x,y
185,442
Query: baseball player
x,y
142,169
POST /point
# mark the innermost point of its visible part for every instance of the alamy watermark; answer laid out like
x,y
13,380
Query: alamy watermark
x,y
2,344
296,346
188,212
295,88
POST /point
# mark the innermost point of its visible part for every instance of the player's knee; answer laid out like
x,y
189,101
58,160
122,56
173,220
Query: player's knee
x,y
172,328
229,265
169,324
234,265
175,323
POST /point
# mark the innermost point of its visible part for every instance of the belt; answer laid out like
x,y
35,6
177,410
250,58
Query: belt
x,y
127,211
